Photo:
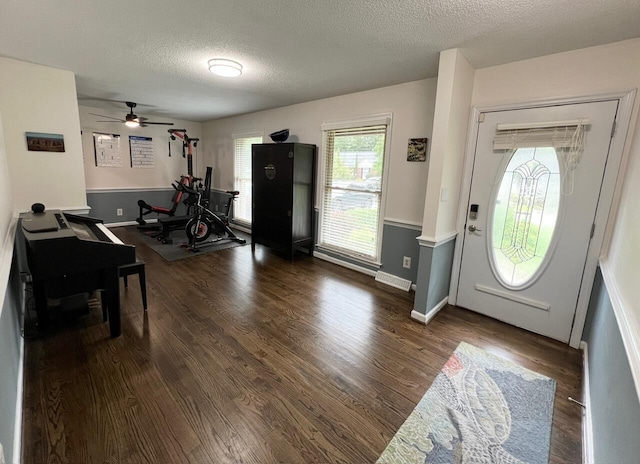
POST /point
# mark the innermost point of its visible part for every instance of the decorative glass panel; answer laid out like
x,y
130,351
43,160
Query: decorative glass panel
x,y
525,214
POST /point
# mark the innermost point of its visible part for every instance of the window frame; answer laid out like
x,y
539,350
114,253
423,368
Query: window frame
x,y
234,138
385,119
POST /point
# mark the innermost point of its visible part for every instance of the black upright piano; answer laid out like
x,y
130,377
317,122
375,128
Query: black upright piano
x,y
69,254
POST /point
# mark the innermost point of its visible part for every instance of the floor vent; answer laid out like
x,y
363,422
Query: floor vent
x,y
394,281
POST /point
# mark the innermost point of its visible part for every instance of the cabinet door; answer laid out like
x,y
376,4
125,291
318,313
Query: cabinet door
x,y
272,176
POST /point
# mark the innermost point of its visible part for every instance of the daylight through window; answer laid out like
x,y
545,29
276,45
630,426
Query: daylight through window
x,y
352,190
242,177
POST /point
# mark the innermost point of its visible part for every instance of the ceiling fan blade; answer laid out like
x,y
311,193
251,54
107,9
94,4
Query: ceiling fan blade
x,y
110,117
157,123
115,122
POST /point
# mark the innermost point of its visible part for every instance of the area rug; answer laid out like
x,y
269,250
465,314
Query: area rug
x,y
175,251
480,409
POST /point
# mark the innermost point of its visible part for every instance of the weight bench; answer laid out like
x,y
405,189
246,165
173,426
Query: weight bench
x,y
146,208
168,225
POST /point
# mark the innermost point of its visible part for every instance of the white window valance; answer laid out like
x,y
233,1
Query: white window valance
x,y
556,134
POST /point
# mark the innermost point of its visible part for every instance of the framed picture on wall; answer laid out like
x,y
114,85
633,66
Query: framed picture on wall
x,y
141,149
417,150
39,141
106,148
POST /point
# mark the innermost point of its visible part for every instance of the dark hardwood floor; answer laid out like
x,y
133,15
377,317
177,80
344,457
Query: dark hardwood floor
x,y
251,359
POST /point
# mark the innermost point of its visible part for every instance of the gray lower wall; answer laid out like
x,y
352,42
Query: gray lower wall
x,y
434,276
615,408
397,242
10,343
104,204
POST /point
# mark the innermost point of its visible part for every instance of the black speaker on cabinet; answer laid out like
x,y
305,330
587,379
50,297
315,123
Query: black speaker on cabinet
x,y
283,178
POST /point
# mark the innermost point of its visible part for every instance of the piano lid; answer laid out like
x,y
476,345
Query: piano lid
x,y
39,222
78,244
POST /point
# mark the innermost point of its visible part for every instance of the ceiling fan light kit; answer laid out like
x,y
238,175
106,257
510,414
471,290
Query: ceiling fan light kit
x,y
132,120
225,68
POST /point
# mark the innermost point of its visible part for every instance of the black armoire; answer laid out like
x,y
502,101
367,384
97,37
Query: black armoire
x,y
283,178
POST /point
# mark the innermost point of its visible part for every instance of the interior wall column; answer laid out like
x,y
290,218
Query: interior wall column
x,y
448,143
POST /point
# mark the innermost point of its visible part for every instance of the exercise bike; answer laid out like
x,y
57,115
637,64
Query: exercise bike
x,y
205,222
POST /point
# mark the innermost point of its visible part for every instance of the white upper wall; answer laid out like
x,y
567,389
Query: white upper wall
x,y
6,215
591,71
37,98
6,193
451,119
412,106
165,169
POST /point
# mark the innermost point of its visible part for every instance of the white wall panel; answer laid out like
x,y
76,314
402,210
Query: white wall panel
x,y
165,169
412,107
37,98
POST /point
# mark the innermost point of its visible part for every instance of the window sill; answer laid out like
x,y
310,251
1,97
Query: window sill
x,y
340,254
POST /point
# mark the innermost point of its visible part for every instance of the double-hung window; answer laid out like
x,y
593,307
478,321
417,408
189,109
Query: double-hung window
x,y
354,160
242,175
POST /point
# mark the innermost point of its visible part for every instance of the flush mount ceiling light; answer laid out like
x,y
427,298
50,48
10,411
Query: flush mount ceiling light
x,y
225,68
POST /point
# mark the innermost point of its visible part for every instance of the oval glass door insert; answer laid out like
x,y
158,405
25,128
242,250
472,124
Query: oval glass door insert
x,y
525,215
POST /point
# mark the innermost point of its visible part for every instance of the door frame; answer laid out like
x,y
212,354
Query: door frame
x,y
607,202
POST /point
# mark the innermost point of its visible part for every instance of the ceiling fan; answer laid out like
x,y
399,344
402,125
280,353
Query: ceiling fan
x,y
133,120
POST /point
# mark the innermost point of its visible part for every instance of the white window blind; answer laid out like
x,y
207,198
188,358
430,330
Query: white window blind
x,y
352,191
242,177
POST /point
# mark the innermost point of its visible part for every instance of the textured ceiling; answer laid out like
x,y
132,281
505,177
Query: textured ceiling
x,y
155,51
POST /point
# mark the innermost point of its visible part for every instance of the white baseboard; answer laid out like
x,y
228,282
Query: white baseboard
x,y
425,318
17,426
587,425
415,315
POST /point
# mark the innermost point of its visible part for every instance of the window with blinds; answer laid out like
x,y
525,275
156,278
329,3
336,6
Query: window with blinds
x,y
352,191
242,177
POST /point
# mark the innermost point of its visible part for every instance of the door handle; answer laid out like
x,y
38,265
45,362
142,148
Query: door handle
x,y
472,228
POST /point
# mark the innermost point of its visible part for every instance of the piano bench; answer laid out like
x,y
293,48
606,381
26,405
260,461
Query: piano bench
x,y
124,271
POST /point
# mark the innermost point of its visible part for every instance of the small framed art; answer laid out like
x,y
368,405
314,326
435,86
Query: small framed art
x,y
38,141
417,150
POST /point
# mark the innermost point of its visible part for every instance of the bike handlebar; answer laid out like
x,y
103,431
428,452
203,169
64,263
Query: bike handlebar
x,y
185,188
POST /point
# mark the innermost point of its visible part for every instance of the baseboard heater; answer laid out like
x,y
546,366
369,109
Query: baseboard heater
x,y
394,281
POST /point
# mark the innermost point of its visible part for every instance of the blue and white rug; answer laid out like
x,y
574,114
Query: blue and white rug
x,y
480,409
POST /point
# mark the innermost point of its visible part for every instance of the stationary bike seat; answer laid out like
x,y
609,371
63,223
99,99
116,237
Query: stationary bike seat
x,y
235,193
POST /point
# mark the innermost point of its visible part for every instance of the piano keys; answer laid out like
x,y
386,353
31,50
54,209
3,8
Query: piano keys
x,y
69,254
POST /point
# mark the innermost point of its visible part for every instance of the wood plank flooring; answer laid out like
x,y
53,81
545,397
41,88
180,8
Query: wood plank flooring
x,y
251,359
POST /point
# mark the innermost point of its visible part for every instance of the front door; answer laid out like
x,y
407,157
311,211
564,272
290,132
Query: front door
x,y
534,193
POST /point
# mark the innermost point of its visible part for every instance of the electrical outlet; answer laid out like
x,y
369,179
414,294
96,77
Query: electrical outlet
x,y
119,211
406,262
